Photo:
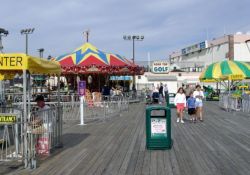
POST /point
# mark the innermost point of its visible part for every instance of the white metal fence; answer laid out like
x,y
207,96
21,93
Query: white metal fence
x,y
44,133
11,136
24,141
246,103
228,102
94,111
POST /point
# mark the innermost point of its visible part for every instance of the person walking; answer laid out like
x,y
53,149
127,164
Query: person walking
x,y
199,95
161,94
180,103
165,90
188,90
191,107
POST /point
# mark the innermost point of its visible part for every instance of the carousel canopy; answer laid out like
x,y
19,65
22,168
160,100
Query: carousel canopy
x,y
15,63
226,70
89,59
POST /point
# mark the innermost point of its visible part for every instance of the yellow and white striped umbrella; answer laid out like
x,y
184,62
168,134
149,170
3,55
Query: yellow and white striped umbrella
x,y
226,70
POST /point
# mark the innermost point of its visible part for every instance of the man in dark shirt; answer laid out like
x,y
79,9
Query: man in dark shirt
x,y
161,93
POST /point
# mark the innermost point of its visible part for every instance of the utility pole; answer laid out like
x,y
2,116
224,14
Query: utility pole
x,y
3,32
86,34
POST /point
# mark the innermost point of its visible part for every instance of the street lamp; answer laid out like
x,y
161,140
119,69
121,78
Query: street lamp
x,y
3,32
133,38
41,50
26,32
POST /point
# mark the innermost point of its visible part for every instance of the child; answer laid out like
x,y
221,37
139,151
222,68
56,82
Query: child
x,y
180,103
191,107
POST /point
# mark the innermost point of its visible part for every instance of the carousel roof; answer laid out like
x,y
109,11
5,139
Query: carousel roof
x,y
88,55
89,59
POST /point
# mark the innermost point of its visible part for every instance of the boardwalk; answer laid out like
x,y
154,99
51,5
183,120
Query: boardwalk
x,y
219,145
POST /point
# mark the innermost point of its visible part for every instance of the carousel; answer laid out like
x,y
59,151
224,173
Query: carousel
x,y
96,67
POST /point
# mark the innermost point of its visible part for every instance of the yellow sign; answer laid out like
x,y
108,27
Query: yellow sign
x,y
7,118
15,62
236,77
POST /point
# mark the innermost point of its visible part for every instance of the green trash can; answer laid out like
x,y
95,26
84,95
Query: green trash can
x,y
158,128
170,100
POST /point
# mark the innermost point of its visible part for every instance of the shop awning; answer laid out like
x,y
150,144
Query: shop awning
x,y
162,78
14,63
120,78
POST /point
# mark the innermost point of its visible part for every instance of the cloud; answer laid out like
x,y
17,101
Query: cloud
x,y
166,24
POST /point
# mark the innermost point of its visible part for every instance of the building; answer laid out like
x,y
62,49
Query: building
x,y
196,57
163,72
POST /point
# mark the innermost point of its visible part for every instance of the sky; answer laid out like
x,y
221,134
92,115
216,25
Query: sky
x,y
167,25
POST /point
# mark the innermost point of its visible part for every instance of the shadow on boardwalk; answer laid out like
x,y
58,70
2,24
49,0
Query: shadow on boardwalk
x,y
219,145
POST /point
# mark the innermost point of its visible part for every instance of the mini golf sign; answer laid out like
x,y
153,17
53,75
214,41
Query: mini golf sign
x,y
160,67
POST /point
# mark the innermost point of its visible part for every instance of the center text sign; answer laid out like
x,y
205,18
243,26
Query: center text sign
x,y
12,61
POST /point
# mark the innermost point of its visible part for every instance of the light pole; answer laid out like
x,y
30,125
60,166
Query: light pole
x,y
41,50
3,32
26,32
133,38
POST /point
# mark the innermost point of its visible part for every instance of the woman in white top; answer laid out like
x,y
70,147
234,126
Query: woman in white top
x,y
199,95
180,103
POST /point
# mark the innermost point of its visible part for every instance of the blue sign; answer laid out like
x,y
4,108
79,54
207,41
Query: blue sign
x,y
194,48
81,88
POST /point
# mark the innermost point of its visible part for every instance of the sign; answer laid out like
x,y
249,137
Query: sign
x,y
171,100
11,62
42,146
81,88
236,77
7,118
161,67
194,48
158,127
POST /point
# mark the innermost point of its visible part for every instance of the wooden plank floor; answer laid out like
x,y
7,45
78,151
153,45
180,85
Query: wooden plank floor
x,y
219,145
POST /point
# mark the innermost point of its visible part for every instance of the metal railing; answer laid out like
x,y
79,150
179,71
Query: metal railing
x,y
246,103
230,103
11,136
43,135
94,110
